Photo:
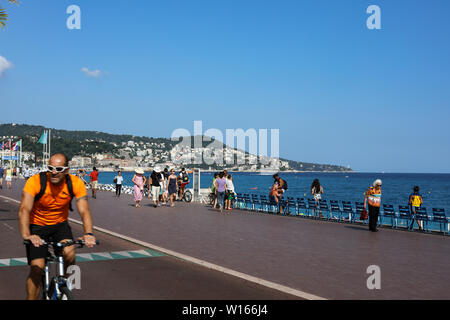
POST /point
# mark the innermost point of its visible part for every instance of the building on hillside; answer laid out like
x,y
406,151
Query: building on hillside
x,y
79,161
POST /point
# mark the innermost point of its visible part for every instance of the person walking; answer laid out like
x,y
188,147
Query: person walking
x,y
138,189
81,173
172,186
317,191
213,189
282,188
118,180
221,188
373,197
8,177
230,192
273,194
164,191
183,181
94,182
415,202
2,173
26,173
155,182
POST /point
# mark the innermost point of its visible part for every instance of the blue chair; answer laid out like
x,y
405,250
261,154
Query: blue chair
x,y
389,213
257,205
312,207
347,210
422,215
440,218
334,207
265,204
283,205
255,200
302,210
239,201
359,207
291,206
404,214
273,206
323,206
248,202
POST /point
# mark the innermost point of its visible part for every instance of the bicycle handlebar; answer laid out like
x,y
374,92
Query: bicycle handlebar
x,y
59,244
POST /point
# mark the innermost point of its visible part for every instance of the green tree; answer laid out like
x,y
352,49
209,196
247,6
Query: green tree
x,y
4,15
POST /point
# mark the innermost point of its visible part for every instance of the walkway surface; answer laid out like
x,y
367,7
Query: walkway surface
x,y
119,269
326,259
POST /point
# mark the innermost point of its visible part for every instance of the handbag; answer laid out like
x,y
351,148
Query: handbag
x,y
364,215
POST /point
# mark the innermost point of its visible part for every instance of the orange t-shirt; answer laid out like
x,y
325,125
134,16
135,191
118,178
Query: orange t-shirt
x,y
53,207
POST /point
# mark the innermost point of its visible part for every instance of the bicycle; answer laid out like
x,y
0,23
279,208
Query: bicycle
x,y
57,287
187,196
211,198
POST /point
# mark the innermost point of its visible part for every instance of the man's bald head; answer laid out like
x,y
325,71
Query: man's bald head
x,y
58,160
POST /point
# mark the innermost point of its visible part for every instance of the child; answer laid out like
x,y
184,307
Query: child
x,y
274,192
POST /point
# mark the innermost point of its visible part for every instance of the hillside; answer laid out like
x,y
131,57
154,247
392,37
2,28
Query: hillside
x,y
89,143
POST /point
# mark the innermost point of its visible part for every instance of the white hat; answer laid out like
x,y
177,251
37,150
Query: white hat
x,y
139,171
157,169
377,182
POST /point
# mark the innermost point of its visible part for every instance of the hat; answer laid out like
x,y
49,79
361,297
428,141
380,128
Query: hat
x,y
377,182
157,169
139,171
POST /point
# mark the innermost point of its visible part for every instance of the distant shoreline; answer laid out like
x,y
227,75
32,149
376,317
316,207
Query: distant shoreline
x,y
230,171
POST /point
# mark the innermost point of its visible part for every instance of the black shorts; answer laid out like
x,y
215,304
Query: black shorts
x,y
55,233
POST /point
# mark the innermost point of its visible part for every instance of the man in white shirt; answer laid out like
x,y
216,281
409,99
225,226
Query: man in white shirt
x,y
118,180
230,192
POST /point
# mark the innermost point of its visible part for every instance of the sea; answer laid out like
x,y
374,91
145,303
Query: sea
x,y
347,186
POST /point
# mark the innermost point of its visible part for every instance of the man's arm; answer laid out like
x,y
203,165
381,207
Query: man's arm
x,y
86,218
26,205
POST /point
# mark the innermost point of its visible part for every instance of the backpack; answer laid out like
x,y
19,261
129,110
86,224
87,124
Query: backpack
x,y
185,177
43,179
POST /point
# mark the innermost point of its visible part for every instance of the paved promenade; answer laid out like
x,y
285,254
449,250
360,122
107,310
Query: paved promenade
x,y
118,269
325,259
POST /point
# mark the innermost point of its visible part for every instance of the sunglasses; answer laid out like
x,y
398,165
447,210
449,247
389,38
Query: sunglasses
x,y
57,169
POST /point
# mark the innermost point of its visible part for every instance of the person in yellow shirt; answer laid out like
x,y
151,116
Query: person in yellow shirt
x,y
415,201
44,216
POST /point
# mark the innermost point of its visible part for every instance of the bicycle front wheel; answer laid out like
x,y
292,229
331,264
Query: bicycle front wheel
x,y
66,294
187,196
211,199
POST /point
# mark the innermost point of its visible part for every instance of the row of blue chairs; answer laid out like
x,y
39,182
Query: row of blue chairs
x,y
344,211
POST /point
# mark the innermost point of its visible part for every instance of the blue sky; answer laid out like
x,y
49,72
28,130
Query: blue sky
x,y
340,93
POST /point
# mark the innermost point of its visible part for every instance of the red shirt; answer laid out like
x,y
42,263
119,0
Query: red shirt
x,y
94,176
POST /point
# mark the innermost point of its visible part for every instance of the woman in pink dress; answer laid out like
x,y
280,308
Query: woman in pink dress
x,y
139,182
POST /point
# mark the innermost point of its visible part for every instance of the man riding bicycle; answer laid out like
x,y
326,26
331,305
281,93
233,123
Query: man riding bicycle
x,y
44,212
183,181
